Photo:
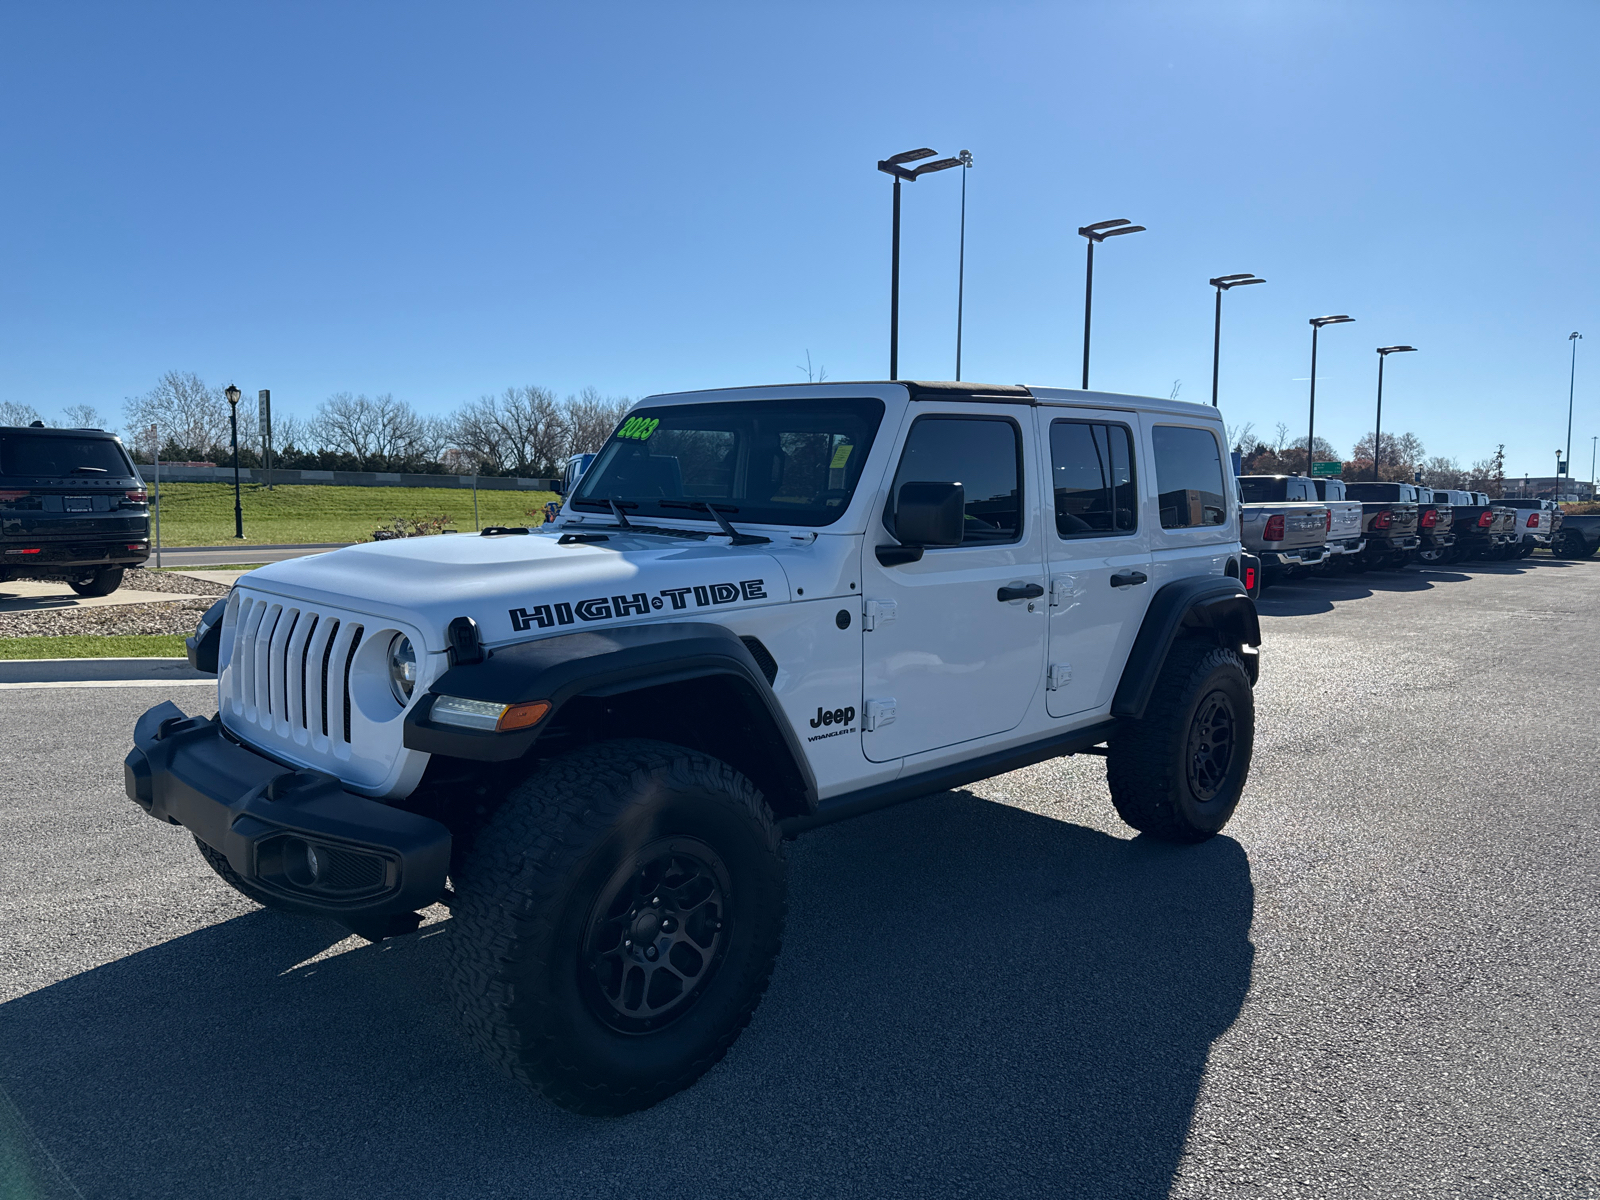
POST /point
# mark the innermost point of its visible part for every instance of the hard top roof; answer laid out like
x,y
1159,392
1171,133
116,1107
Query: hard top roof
x,y
963,390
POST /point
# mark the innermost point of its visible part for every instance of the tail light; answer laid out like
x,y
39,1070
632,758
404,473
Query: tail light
x,y
1249,579
136,496
1429,518
1274,530
1382,520
35,550
1327,522
1485,519
1533,520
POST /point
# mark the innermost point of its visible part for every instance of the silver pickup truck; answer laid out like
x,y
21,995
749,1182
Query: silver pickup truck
x,y
1346,537
1289,535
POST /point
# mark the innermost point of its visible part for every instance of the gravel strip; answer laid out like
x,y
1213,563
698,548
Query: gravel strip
x,y
167,616
140,580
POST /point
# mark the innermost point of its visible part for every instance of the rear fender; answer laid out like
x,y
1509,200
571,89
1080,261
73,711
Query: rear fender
x,y
1208,606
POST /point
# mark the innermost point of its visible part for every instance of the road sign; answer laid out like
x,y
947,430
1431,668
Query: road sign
x,y
1320,470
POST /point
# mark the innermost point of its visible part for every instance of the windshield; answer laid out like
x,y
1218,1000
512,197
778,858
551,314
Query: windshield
x,y
43,457
1255,489
767,462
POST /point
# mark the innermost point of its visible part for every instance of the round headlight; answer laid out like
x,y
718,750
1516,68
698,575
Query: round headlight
x,y
402,668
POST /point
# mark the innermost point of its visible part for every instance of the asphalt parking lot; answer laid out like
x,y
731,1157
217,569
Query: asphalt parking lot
x,y
1381,981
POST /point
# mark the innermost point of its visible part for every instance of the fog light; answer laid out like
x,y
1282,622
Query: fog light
x,y
313,863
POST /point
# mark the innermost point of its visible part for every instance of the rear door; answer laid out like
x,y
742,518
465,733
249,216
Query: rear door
x,y
947,657
1097,552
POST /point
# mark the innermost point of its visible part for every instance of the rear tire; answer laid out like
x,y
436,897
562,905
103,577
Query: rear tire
x,y
616,847
101,583
1177,773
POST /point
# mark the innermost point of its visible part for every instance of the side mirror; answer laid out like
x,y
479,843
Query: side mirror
x,y
925,514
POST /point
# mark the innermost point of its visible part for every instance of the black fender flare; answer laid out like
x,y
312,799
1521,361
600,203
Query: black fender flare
x,y
598,663
1217,603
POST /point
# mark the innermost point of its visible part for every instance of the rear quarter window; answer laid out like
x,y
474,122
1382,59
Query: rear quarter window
x,y
1188,476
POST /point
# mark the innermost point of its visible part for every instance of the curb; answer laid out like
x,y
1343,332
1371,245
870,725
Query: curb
x,y
98,670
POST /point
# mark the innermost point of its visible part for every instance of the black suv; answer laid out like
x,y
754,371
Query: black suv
x,y
72,508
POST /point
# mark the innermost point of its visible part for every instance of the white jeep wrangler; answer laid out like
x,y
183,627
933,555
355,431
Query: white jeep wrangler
x,y
762,610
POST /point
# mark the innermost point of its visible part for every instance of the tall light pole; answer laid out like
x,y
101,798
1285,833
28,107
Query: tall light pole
x,y
233,414
1377,434
1594,444
1311,434
1222,283
893,165
1574,337
1095,234
961,262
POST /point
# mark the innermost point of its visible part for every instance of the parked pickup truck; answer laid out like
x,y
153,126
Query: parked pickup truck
x,y
1287,532
1533,525
72,508
1389,521
1474,518
1345,542
1578,536
1435,526
1507,541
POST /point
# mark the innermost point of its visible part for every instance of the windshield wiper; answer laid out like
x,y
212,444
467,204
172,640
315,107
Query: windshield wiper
x,y
91,470
622,517
734,536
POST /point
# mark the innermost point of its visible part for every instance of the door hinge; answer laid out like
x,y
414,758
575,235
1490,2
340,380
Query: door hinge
x,y
1061,590
879,713
874,612
1060,675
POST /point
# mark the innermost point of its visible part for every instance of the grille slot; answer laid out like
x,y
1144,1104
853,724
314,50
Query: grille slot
x,y
289,671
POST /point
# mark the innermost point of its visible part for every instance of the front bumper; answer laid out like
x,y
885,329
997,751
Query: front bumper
x,y
297,836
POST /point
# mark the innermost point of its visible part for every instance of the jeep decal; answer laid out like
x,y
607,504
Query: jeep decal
x,y
605,608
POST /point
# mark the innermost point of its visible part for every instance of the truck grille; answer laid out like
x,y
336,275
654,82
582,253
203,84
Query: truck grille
x,y
289,672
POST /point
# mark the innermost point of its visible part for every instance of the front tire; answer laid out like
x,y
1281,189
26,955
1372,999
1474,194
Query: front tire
x,y
101,583
1177,773
616,922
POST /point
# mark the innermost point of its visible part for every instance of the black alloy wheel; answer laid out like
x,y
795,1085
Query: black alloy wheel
x,y
1212,738
656,935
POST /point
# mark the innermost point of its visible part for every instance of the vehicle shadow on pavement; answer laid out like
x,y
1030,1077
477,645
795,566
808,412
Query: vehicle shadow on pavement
x,y
972,1000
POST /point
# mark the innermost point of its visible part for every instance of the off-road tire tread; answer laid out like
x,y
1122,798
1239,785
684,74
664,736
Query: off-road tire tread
x,y
219,863
510,893
1141,770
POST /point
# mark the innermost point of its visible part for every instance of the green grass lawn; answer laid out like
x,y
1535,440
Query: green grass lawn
x,y
201,514
93,646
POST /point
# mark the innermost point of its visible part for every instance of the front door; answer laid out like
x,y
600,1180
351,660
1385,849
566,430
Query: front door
x,y
1097,554
955,641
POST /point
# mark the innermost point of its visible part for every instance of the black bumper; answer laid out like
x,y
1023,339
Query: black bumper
x,y
366,860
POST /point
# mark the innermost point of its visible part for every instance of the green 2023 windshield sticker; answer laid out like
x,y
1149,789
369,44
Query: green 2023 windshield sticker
x,y
638,429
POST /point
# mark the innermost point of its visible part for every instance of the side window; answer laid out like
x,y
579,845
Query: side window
x,y
983,455
1091,476
1188,476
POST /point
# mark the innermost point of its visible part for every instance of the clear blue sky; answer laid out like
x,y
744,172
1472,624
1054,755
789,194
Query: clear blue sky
x,y
440,201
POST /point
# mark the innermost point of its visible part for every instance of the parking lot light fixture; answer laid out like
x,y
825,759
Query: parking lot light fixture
x,y
1095,234
232,393
1377,433
1222,283
1572,377
895,166
961,259
1311,434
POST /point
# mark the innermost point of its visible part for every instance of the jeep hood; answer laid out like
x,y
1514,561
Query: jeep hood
x,y
518,586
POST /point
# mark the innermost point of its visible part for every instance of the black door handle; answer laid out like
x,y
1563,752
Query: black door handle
x,y
1131,577
1028,591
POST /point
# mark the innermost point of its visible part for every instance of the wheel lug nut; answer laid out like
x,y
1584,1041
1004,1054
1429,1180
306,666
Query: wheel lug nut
x,y
650,953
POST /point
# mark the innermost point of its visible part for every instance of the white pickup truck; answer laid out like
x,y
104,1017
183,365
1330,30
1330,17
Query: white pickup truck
x,y
1284,522
760,610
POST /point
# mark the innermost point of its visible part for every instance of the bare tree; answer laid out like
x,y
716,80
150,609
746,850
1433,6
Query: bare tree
x,y
1280,438
1402,455
83,416
370,429
189,414
1239,436
1441,472
820,375
13,413
522,431
590,418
